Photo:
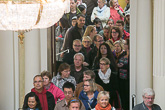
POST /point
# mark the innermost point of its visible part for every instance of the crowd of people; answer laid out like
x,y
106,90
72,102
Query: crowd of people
x,y
94,73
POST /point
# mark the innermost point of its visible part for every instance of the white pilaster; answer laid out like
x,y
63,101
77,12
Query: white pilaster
x,y
159,52
35,55
141,46
9,99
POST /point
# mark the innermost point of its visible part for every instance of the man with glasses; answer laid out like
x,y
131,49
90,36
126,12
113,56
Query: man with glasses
x,y
98,39
68,89
46,98
148,101
77,46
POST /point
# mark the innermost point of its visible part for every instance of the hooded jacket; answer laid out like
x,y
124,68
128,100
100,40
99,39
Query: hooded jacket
x,y
57,92
46,99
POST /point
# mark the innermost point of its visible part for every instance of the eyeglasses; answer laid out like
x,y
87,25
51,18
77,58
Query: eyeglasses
x,y
148,98
38,81
77,45
103,64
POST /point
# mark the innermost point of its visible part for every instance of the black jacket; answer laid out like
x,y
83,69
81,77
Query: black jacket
x,y
72,35
91,55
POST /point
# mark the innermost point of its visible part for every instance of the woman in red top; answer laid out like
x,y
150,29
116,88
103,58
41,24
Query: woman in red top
x,y
49,86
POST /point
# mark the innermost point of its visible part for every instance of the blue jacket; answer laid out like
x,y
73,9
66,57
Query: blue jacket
x,y
83,97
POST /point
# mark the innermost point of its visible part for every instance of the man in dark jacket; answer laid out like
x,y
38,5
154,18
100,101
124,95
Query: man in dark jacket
x,y
77,68
68,57
75,32
46,98
148,101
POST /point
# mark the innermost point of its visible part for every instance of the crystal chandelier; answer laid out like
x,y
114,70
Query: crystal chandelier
x,y
24,15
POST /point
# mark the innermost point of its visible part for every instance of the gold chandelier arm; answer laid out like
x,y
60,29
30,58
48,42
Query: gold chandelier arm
x,y
39,13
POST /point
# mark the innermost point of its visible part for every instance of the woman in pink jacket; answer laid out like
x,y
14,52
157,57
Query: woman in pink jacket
x,y
115,9
49,86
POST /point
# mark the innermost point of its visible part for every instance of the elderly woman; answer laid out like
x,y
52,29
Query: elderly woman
x,y
32,102
74,104
89,95
103,101
101,11
90,31
49,86
63,76
114,7
86,42
118,51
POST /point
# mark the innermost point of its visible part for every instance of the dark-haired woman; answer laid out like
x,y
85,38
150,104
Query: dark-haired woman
x,y
60,33
32,102
105,51
115,35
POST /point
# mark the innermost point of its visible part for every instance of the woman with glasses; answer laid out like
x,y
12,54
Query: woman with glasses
x,y
108,80
86,42
101,11
105,77
63,76
104,51
89,94
49,86
115,35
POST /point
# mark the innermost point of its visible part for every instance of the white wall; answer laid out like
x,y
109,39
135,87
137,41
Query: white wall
x,y
141,47
9,69
35,44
